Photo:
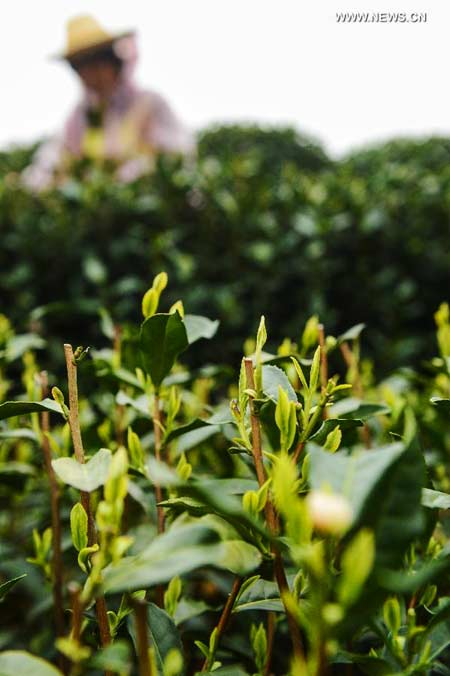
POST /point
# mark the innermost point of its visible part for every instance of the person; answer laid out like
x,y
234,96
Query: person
x,y
115,120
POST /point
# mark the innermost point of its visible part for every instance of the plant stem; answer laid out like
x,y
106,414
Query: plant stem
x,y
280,577
120,408
157,432
256,430
271,518
102,616
75,430
298,451
352,365
74,590
225,617
57,567
74,422
323,364
157,424
77,610
271,618
318,413
140,614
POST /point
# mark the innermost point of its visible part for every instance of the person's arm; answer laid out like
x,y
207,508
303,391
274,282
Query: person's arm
x,y
164,131
39,174
51,155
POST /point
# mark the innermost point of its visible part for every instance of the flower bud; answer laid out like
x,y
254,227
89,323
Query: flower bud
x,y
330,514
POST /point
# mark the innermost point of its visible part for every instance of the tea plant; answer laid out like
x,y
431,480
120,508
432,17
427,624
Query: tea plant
x,y
172,521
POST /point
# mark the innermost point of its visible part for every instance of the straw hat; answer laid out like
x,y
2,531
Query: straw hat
x,y
85,35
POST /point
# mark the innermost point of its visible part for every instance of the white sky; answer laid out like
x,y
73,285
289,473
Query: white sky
x,y
272,61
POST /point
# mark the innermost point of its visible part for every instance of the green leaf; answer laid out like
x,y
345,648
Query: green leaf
x,y
178,551
85,477
407,583
392,615
330,424
440,639
150,302
106,323
191,434
286,420
84,555
300,374
115,657
223,487
261,595
196,437
160,473
125,376
356,476
315,371
163,337
442,404
435,499
10,409
230,486
224,671
372,666
227,506
356,564
141,404
79,526
198,327
18,345
22,433
163,633
351,407
333,440
351,334
21,663
6,586
273,378
189,608
208,427
203,648
438,628
384,488
15,470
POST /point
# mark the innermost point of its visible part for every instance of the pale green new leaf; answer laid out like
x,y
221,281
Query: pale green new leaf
x,y
21,663
198,327
273,378
79,526
10,409
315,371
356,564
85,477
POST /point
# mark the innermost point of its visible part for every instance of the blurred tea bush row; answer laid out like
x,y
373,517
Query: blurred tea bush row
x,y
260,219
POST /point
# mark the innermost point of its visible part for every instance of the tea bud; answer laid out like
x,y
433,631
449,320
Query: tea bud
x,y
330,514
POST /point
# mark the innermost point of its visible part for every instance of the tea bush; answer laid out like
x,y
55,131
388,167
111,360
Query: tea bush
x,y
159,520
261,219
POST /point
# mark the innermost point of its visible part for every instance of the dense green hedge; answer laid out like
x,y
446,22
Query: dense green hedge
x,y
261,220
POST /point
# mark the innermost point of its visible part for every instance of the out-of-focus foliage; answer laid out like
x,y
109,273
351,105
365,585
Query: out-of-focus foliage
x,y
259,220
274,148
16,159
